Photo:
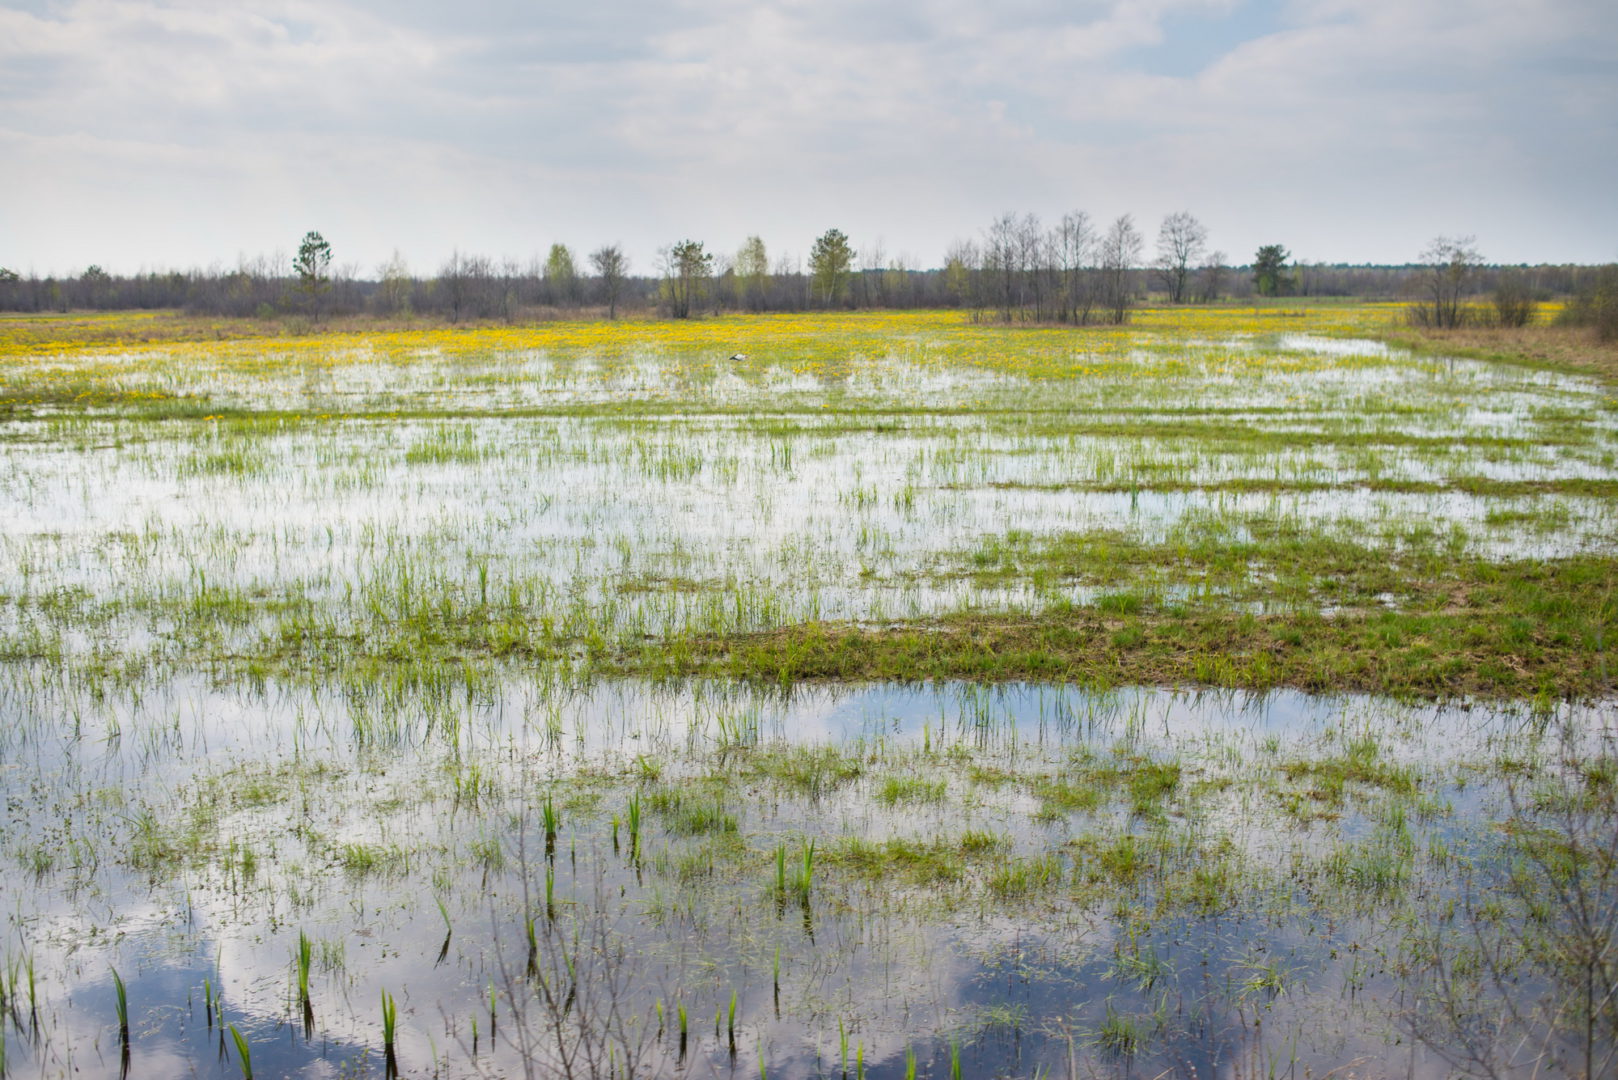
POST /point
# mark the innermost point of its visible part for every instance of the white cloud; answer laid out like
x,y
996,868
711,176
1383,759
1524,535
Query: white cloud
x,y
143,130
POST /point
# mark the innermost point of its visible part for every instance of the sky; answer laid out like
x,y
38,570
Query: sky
x,y
146,134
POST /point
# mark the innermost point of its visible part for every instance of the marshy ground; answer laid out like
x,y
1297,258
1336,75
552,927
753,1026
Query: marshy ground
x,y
1228,694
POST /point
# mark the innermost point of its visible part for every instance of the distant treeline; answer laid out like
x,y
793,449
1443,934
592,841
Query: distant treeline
x,y
1075,271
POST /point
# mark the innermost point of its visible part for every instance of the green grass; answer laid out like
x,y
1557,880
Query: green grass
x,y
244,1053
1517,632
1125,1035
1017,878
1329,780
121,1005
303,959
390,1023
691,814
917,862
904,789
812,771
644,598
361,858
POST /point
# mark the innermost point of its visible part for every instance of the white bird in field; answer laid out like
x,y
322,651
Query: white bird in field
x,y
738,356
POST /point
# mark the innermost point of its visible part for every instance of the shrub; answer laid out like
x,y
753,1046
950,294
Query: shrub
x,y
1514,303
1595,304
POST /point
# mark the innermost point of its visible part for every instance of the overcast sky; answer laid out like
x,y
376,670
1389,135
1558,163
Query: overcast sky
x,y
145,133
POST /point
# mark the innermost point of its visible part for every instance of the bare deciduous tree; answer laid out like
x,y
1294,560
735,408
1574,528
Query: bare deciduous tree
x,y
1451,263
1033,265
1072,244
1120,254
511,287
1000,263
611,267
453,284
1180,243
1018,267
396,285
789,285
1595,303
1211,277
484,291
872,260
467,287
898,281
1513,299
960,266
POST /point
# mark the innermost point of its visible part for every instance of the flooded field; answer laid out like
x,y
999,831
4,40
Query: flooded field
x,y
1228,695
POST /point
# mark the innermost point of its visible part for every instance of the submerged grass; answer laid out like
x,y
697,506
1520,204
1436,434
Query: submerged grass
x,y
1017,835
535,620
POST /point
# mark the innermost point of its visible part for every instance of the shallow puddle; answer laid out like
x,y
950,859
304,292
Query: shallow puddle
x,y
300,733
1025,879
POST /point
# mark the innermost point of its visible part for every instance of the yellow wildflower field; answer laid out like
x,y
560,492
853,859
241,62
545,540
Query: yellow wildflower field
x,y
102,359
